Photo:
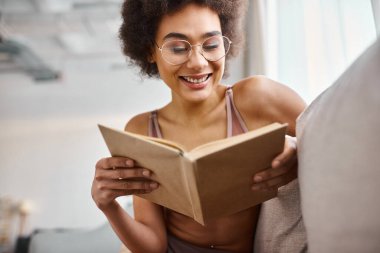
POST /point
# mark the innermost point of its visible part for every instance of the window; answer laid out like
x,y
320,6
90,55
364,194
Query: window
x,y
310,43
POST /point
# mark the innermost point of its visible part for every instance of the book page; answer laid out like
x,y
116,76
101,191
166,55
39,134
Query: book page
x,y
164,161
224,177
167,143
161,142
218,145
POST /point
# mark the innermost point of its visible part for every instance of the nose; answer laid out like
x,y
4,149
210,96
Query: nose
x,y
196,59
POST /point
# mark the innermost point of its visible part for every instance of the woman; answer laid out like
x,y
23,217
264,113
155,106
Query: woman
x,y
185,43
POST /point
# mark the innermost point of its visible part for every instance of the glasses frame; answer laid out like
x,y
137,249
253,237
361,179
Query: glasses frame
x,y
191,49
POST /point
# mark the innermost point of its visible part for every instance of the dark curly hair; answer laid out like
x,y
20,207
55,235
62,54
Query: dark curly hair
x,y
142,17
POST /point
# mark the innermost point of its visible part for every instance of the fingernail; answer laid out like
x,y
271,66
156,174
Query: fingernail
x,y
153,185
258,178
146,173
129,163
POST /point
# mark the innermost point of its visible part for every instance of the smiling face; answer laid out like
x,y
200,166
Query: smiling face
x,y
195,79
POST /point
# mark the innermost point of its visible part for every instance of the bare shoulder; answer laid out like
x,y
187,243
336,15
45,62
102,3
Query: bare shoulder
x,y
138,124
259,96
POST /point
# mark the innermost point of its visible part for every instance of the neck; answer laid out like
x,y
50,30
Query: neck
x,y
189,113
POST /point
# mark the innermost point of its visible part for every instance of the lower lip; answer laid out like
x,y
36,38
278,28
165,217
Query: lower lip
x,y
195,86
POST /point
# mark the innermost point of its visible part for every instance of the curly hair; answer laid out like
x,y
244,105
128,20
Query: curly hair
x,y
141,19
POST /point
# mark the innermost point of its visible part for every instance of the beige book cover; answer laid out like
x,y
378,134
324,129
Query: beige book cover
x,y
208,182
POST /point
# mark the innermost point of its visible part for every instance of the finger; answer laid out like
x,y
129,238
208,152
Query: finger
x,y
269,174
114,162
275,172
276,182
123,173
268,184
290,150
103,197
132,185
119,193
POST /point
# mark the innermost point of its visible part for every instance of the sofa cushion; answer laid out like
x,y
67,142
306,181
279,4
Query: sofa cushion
x,y
339,161
280,228
99,240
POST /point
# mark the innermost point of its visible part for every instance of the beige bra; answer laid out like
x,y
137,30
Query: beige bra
x,y
235,123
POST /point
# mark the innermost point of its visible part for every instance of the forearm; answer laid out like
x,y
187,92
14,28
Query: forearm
x,y
136,236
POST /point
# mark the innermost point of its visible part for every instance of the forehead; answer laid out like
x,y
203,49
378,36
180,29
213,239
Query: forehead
x,y
193,21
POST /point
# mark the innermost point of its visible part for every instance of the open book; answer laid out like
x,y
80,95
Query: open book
x,y
209,181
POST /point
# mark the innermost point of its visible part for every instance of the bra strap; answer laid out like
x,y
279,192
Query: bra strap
x,y
232,112
153,127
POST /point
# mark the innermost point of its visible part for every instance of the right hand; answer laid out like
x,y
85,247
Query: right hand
x,y
118,176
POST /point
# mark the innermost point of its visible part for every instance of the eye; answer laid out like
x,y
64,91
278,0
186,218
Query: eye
x,y
177,47
211,44
178,50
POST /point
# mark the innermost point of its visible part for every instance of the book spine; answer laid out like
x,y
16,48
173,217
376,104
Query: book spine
x,y
189,171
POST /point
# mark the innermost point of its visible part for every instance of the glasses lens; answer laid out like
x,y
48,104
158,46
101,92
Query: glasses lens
x,y
176,51
215,48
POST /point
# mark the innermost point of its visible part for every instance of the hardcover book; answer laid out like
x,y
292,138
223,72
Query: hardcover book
x,y
208,182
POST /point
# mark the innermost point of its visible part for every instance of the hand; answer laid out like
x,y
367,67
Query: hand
x,y
118,176
283,170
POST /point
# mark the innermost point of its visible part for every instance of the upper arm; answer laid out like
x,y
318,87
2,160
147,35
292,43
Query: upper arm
x,y
270,100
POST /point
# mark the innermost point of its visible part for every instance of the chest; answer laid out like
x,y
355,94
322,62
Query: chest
x,y
192,133
191,137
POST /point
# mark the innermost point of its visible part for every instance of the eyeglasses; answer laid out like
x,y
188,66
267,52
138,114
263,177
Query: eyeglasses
x,y
176,52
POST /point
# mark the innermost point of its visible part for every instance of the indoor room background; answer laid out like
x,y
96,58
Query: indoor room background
x,y
62,72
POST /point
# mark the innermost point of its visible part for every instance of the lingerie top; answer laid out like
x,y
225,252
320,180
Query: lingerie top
x,y
235,123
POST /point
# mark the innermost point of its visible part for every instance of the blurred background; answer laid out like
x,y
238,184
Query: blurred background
x,y
62,72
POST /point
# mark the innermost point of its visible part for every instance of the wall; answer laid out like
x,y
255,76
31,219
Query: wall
x,y
49,141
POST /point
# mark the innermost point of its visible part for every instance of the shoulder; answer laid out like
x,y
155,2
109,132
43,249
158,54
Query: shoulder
x,y
262,89
138,124
259,96
255,86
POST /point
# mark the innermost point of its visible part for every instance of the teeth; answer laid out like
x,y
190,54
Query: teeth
x,y
193,80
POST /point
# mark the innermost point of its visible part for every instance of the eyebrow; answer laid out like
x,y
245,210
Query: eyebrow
x,y
184,37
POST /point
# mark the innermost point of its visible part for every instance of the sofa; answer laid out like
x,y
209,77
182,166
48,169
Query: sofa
x,y
101,239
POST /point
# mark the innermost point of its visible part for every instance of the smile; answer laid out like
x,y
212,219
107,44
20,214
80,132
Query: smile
x,y
196,80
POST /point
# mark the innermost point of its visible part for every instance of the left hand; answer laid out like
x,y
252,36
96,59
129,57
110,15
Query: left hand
x,y
283,170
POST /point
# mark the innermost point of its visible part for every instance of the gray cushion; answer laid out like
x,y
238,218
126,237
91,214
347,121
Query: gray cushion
x,y
339,161
99,240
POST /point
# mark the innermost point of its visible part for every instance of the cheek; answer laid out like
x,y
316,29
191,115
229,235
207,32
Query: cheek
x,y
219,68
166,72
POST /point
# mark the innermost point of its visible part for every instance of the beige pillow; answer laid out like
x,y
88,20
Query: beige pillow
x,y
339,161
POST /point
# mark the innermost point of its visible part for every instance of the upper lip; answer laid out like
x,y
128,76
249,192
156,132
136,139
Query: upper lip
x,y
196,76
